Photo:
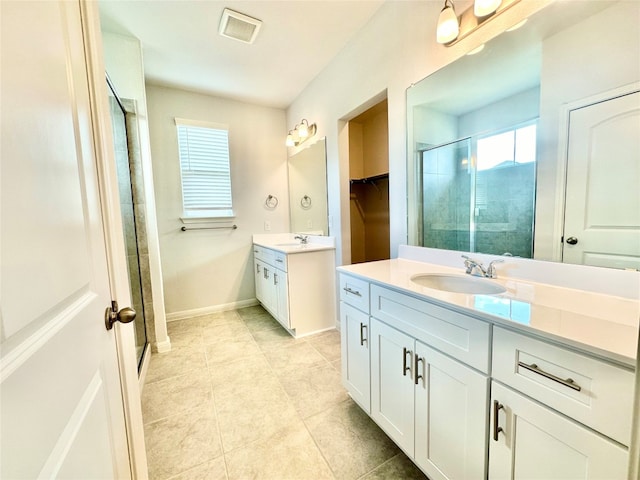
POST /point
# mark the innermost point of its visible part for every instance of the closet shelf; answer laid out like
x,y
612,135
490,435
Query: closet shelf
x,y
371,179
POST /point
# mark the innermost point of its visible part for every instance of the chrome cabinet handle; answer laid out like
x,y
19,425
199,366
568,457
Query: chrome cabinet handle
x,y
497,406
417,376
266,273
566,382
275,278
362,329
405,368
257,268
279,260
354,292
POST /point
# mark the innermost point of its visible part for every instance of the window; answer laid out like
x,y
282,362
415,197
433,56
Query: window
x,y
506,149
204,169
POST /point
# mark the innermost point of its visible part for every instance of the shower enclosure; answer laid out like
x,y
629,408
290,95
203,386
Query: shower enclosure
x,y
132,210
478,193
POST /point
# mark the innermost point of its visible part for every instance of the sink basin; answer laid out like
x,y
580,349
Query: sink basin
x,y
291,244
458,284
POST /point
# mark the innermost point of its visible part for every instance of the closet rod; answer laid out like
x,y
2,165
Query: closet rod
x,y
232,227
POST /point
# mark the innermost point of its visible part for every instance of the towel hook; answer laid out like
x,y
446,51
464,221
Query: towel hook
x,y
271,202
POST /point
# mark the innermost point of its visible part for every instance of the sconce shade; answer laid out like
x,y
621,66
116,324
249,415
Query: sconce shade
x,y
482,8
290,141
303,129
448,27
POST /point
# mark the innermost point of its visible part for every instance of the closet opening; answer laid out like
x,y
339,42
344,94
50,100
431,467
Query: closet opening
x,y
369,184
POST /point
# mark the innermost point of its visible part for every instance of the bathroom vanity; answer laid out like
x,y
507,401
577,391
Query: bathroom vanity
x,y
533,382
295,281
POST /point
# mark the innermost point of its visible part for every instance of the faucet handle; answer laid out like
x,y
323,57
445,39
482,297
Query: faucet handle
x,y
491,270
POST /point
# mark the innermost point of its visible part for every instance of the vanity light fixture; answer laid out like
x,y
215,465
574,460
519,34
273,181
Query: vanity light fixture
x,y
482,8
451,28
448,26
300,133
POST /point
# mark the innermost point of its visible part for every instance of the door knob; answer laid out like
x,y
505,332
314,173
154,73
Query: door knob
x,y
113,315
572,240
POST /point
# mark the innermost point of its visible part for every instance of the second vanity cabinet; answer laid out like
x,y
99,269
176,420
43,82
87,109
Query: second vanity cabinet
x,y
297,289
468,399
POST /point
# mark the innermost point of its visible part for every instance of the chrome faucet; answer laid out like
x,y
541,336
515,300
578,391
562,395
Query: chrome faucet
x,y
476,268
303,239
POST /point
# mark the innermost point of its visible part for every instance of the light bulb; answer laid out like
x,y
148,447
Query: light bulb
x,y
303,129
482,8
290,142
448,27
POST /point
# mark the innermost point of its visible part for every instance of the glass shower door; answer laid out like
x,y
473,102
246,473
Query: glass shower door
x,y
128,211
447,183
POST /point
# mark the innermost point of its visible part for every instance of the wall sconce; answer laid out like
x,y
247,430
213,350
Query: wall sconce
x,y
300,133
448,27
452,28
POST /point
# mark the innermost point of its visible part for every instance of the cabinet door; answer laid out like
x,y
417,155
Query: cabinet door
x,y
535,442
451,417
259,275
392,386
280,283
354,336
269,299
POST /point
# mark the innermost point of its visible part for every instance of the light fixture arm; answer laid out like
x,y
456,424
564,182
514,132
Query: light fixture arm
x,y
301,133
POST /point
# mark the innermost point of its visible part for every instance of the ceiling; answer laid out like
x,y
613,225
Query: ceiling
x,y
182,48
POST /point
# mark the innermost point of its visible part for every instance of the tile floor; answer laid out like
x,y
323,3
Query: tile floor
x,y
239,398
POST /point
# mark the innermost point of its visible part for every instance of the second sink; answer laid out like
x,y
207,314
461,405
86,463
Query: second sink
x,y
458,284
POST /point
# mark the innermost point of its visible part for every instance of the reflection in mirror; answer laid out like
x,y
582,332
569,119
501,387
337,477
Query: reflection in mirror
x,y
308,190
500,142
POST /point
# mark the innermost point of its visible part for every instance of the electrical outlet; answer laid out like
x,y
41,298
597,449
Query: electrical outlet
x,y
267,226
309,223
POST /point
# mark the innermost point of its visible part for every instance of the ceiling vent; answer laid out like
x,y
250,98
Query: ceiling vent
x,y
239,26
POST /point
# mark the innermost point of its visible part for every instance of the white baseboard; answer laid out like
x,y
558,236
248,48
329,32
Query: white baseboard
x,y
161,347
196,312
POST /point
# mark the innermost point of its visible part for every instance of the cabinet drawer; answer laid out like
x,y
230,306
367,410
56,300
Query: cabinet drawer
x,y
355,292
465,338
591,391
280,260
261,253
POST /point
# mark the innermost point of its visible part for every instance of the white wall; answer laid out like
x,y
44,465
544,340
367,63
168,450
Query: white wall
x,y
123,61
395,49
210,270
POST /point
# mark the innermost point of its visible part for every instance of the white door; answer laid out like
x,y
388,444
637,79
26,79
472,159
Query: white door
x,y
602,212
536,443
451,417
61,410
392,383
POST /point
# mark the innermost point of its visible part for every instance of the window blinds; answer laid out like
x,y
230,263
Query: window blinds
x,y
205,170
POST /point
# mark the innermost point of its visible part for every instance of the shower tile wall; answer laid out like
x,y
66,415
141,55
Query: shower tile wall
x,y
504,221
128,158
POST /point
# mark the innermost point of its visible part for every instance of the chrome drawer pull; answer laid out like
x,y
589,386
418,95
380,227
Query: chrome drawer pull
x,y
362,338
535,369
355,292
279,260
417,376
405,368
497,406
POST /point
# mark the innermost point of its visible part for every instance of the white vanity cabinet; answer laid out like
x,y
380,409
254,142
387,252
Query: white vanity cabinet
x,y
433,406
355,339
297,289
563,428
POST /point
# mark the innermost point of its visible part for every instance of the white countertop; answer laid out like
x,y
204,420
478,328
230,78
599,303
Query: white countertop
x,y
603,325
286,243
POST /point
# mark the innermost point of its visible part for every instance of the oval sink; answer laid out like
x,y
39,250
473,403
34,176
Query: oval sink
x,y
458,284
292,244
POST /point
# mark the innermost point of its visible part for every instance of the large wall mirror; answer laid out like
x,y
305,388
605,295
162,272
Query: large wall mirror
x,y
531,146
308,189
